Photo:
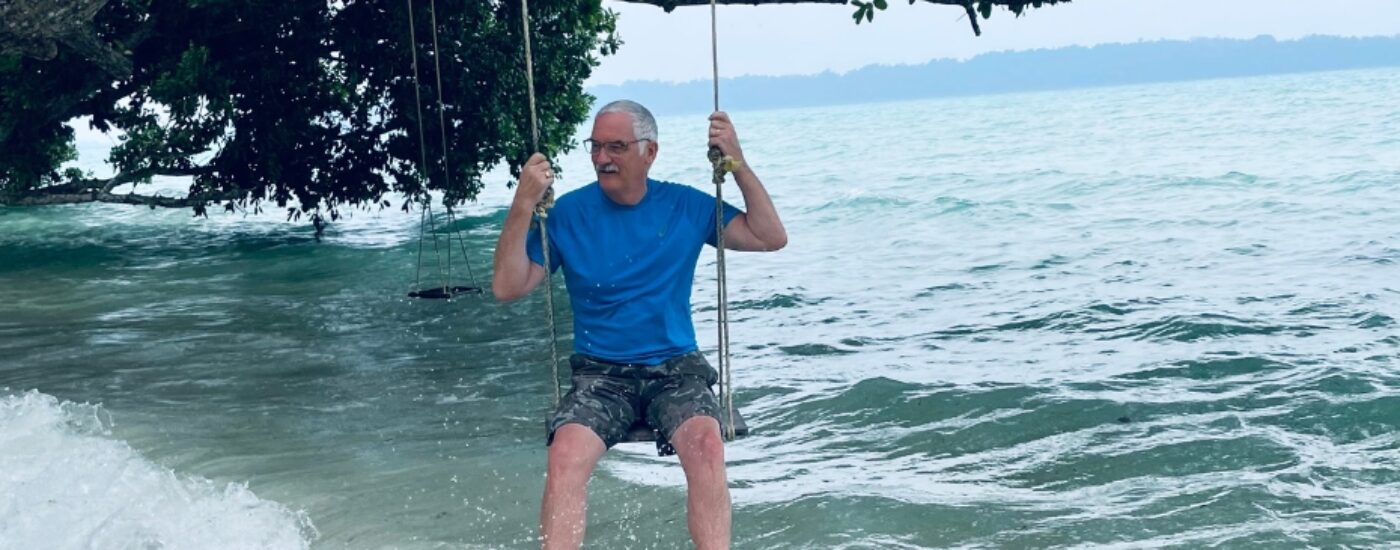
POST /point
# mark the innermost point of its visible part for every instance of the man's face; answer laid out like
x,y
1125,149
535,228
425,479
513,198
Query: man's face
x,y
619,171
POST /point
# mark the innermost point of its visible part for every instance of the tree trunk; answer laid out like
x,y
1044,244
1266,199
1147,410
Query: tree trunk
x,y
38,28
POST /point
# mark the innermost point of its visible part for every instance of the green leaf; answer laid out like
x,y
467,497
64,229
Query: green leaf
x,y
986,8
310,104
881,4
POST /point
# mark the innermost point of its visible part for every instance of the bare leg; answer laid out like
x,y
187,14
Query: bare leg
x,y
701,450
572,456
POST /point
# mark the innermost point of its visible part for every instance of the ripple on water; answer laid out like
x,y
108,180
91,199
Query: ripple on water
x,y
1203,326
1208,369
776,301
814,350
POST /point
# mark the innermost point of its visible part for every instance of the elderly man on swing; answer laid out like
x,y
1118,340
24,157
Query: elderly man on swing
x,y
628,246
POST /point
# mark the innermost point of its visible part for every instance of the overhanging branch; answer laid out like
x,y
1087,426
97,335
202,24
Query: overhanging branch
x,y
107,185
37,28
122,198
672,4
972,16
100,190
1016,6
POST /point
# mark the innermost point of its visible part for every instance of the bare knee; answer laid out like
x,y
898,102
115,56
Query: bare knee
x,y
699,440
711,448
574,451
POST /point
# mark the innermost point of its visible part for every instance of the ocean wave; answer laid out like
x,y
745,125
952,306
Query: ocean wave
x,y
814,349
776,301
1204,326
860,201
1208,369
66,483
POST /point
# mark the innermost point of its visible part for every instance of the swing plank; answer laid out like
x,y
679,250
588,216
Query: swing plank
x,y
441,293
641,432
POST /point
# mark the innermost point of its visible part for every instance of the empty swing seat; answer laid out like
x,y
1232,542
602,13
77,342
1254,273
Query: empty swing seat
x,y
442,293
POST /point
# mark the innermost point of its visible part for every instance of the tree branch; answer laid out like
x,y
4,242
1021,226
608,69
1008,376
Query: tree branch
x,y
100,190
972,16
127,198
124,178
23,30
36,28
669,5
1013,5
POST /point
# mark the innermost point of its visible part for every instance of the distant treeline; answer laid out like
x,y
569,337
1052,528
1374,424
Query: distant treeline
x,y
1073,67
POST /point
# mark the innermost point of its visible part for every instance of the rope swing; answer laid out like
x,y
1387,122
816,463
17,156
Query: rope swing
x,y
445,290
641,431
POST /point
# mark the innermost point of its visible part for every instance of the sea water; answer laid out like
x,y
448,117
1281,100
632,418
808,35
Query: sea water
x,y
1145,316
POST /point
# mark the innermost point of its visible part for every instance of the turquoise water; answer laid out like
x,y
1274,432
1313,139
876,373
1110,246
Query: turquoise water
x,y
1147,316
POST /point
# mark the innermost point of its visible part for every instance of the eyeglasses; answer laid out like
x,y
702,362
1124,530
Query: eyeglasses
x,y
612,147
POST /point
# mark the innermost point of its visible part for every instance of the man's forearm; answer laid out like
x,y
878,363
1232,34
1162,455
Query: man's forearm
x,y
762,215
510,275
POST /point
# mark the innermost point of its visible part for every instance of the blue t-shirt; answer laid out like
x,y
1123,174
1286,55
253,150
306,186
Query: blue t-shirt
x,y
629,269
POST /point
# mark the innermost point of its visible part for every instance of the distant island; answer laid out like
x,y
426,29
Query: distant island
x,y
1002,72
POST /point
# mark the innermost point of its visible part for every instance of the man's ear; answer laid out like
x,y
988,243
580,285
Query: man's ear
x,y
652,149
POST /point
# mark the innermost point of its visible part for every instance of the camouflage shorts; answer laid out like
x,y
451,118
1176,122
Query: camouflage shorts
x,y
609,397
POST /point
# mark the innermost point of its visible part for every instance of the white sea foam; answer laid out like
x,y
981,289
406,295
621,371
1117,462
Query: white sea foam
x,y
65,482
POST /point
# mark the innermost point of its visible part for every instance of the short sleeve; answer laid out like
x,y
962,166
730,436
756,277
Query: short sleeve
x,y
535,250
730,211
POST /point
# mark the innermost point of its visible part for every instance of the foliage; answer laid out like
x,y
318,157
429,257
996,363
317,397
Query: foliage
x,y
865,9
308,105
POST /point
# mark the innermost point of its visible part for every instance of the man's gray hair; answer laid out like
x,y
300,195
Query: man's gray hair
x,y
643,124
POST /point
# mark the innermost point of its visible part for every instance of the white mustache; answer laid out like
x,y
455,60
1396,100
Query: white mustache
x,y
608,168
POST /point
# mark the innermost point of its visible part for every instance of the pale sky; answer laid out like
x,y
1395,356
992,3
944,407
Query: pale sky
x,y
805,39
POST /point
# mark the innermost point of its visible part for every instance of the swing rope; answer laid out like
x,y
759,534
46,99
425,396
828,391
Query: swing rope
x,y
427,219
721,165
423,155
446,168
542,209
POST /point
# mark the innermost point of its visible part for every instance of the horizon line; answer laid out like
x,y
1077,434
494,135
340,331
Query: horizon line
x,y
990,53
